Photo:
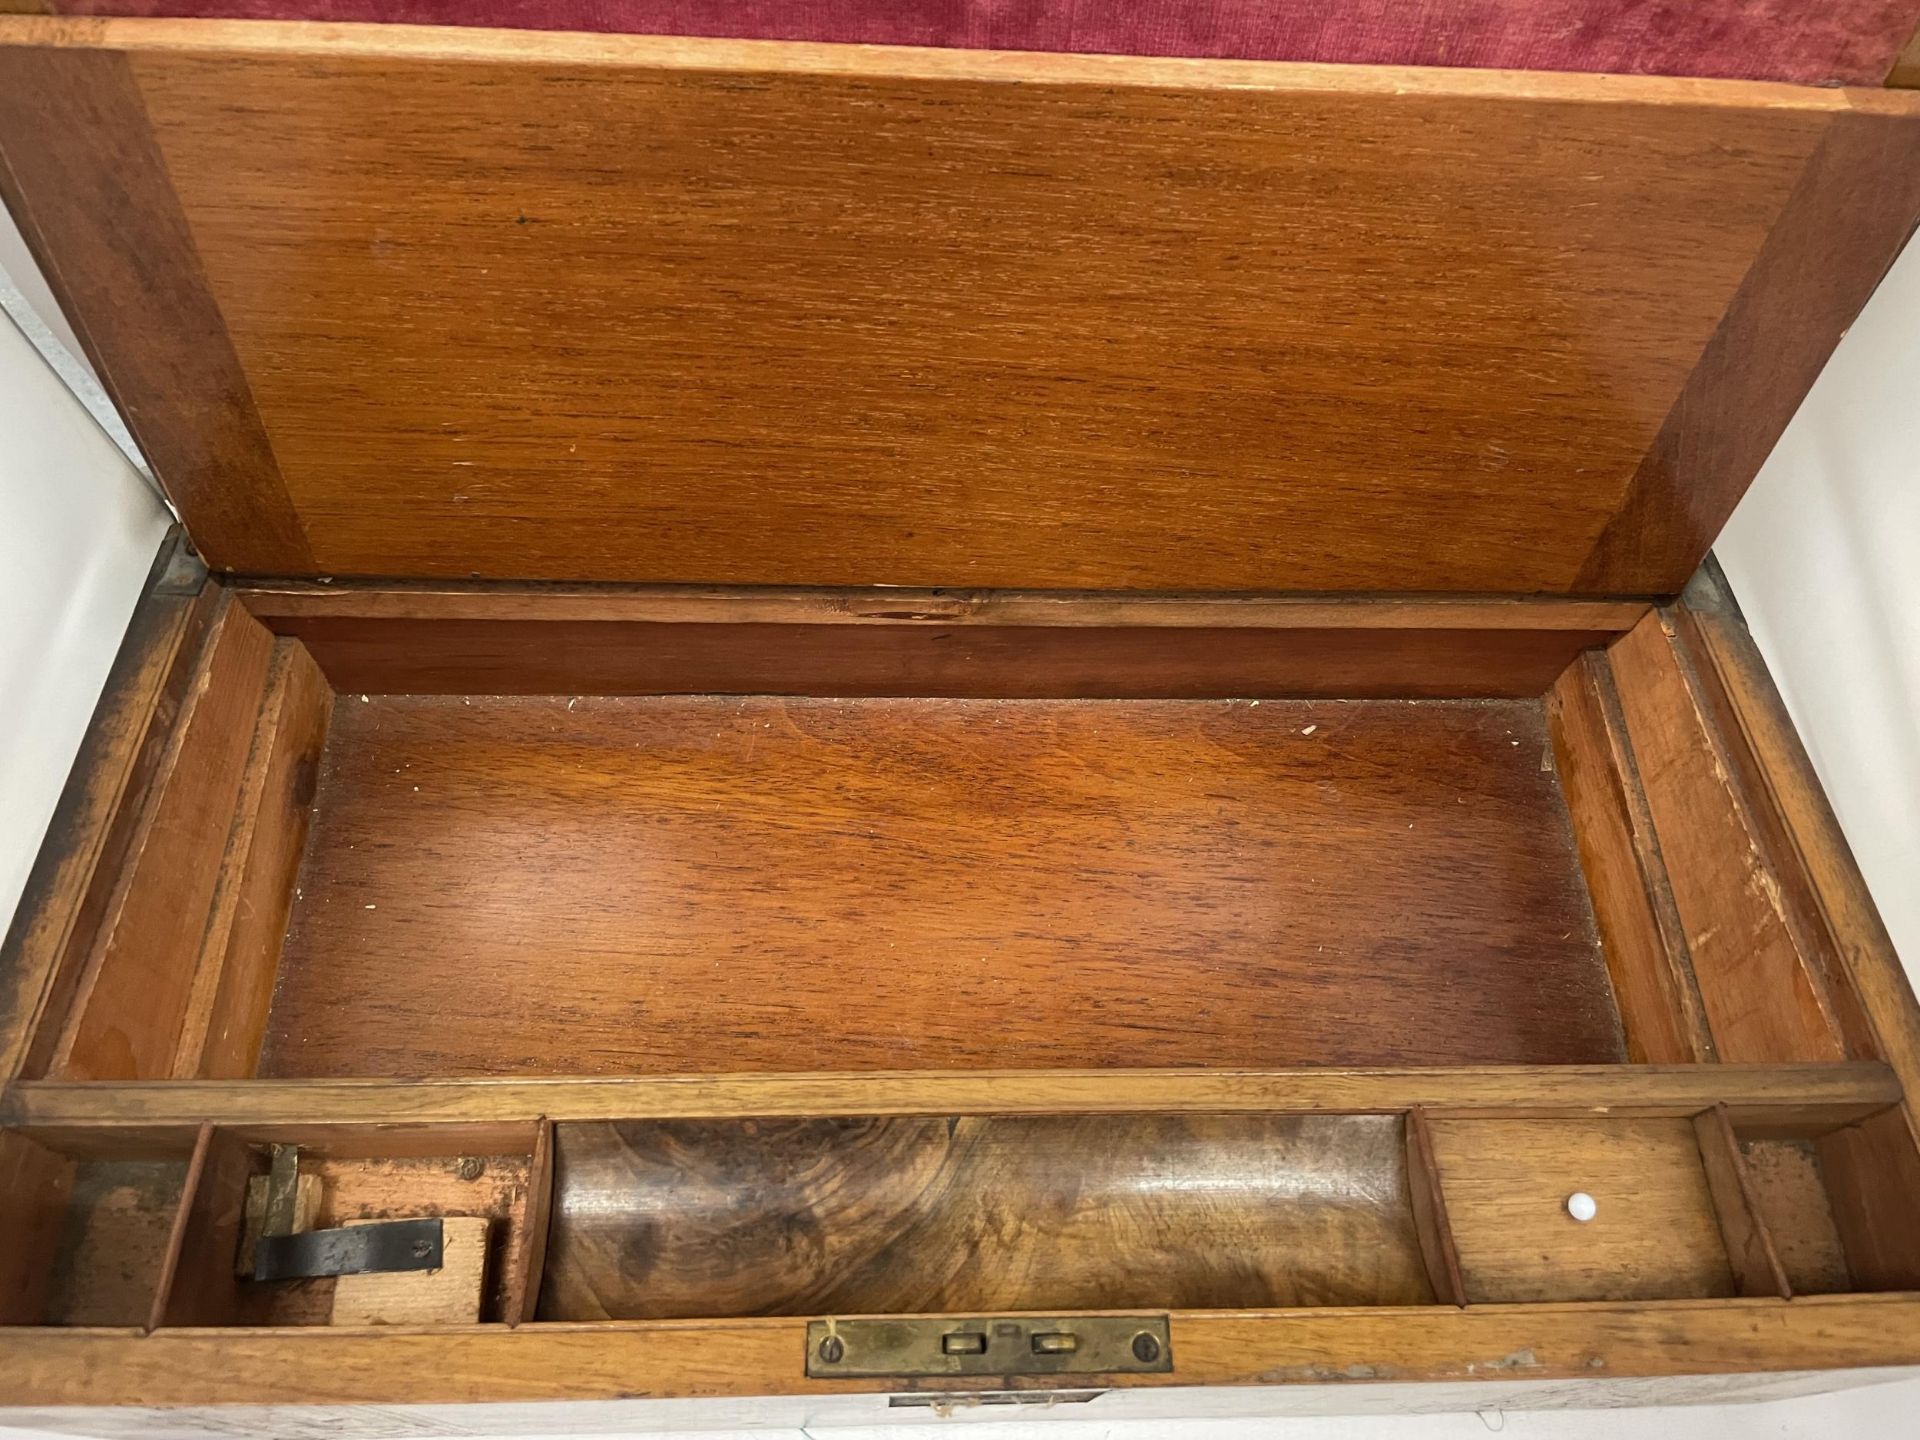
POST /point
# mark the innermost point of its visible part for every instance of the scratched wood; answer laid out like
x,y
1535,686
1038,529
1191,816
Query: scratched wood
x,y
1129,323
615,886
668,1219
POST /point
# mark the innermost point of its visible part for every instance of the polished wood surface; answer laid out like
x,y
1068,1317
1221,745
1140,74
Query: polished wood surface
x,y
666,1219
646,886
1506,1183
1800,1099
1763,1000
68,891
137,987
757,1357
798,343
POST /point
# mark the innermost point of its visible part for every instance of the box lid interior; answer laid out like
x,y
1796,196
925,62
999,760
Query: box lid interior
x,y
388,301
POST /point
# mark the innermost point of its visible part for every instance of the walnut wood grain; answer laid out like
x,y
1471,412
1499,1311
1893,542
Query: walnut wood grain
x,y
1798,1099
1130,323
684,1219
1506,1184
757,1357
35,1182
647,886
73,877
134,995
1763,999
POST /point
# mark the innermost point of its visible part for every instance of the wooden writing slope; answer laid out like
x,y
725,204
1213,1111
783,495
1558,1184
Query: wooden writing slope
x,y
929,723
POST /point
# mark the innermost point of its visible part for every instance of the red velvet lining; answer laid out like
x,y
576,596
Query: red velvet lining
x,y
1811,41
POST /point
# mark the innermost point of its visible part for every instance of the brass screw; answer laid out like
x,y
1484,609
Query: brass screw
x,y
1146,1349
833,1349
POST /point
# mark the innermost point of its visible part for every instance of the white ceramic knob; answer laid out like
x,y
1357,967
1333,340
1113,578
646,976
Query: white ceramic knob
x,y
1581,1206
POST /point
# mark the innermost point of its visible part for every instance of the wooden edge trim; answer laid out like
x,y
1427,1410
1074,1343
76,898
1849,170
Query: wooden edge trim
x,y
96,817
484,45
1812,1097
272,602
523,1292
1905,74
1430,1220
85,178
1683,982
1783,776
1801,911
1743,1229
1644,945
689,1359
177,1232
1853,208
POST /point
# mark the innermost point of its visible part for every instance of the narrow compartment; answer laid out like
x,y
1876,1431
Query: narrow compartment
x,y
984,1214
638,885
86,1232
488,1184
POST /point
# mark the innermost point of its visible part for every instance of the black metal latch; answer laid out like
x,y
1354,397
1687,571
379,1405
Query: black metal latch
x,y
283,1252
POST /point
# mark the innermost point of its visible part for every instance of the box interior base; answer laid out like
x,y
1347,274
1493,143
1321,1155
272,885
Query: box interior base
x,y
641,885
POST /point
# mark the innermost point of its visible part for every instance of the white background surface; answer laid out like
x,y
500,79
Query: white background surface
x,y
1824,556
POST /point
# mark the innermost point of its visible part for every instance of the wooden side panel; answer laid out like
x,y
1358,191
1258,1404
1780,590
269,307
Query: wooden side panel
x,y
978,1213
1507,1182
73,880
586,657
856,316
240,954
126,1020
757,1357
1647,958
1873,1176
1763,1000
35,1184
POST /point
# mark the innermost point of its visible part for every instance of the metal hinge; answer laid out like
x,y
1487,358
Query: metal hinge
x,y
989,1345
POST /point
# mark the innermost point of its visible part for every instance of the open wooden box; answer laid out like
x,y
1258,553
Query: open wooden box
x,y
1064,694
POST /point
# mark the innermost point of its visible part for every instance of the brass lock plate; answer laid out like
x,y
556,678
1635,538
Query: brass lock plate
x,y
942,1346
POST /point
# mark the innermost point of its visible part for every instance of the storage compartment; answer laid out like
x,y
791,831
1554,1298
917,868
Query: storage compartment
x,y
530,885
87,1229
